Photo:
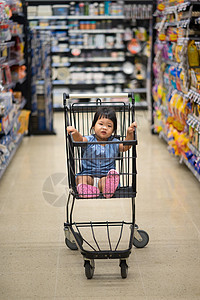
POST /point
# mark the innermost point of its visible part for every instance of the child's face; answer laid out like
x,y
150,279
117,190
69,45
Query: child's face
x,y
103,129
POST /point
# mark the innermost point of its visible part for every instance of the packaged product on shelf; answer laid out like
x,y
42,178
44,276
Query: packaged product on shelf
x,y
178,52
17,50
141,34
195,78
17,97
172,34
5,34
198,148
60,10
44,10
32,11
184,81
5,102
6,75
18,72
193,54
4,123
24,121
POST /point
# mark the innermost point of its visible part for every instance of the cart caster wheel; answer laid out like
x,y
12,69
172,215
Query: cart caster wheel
x,y
145,239
72,245
89,270
124,268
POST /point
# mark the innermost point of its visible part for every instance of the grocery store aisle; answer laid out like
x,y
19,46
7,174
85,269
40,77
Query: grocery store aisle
x,y
35,263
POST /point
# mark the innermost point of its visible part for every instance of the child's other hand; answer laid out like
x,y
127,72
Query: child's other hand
x,y
132,127
71,129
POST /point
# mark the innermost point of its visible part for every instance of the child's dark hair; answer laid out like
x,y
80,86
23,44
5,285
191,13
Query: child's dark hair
x,y
108,113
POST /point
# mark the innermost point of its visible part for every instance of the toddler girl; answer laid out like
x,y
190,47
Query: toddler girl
x,y
98,160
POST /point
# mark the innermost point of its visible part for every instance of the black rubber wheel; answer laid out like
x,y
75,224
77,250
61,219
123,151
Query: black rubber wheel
x,y
89,270
72,245
124,269
145,239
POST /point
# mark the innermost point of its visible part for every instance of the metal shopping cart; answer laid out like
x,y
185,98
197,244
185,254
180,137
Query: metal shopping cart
x,y
102,239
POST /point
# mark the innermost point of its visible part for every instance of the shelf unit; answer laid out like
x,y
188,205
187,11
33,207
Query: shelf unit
x,y
101,48
13,83
41,85
176,89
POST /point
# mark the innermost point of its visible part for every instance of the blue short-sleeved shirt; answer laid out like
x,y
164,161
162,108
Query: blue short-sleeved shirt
x,y
97,160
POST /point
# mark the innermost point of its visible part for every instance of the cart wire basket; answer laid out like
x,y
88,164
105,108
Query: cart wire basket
x,y
101,239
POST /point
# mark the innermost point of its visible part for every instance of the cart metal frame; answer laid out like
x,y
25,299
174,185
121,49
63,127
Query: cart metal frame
x,y
73,237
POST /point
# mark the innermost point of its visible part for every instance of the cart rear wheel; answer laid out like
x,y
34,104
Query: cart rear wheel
x,y
72,245
145,239
89,270
124,268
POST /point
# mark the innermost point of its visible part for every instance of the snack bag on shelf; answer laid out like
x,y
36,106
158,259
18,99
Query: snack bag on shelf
x,y
178,105
178,79
178,53
172,76
24,121
155,92
184,82
183,112
158,121
193,54
172,34
172,104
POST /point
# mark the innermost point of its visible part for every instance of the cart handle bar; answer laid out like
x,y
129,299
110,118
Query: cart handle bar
x,y
103,95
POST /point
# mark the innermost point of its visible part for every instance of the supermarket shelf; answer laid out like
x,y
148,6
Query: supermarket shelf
x,y
2,60
47,17
76,17
194,95
54,65
95,69
98,59
59,50
62,82
13,83
10,126
194,150
4,167
50,27
6,112
6,44
139,90
14,62
193,121
20,106
141,105
192,169
177,8
96,31
61,39
94,47
104,17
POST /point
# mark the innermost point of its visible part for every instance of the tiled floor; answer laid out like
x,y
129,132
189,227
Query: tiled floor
x,y
36,264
